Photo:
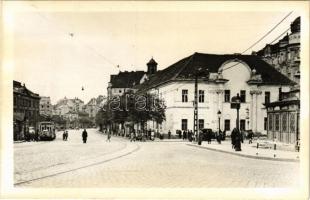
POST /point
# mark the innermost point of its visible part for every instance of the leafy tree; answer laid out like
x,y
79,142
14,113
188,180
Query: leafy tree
x,y
58,120
131,107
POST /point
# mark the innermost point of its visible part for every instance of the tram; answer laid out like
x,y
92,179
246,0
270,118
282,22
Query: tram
x,y
46,130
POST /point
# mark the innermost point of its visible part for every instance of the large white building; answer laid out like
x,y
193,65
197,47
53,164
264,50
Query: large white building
x,y
224,76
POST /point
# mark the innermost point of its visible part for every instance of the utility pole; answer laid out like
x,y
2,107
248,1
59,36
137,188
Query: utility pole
x,y
196,107
197,73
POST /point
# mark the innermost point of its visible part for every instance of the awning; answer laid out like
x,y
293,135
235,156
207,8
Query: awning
x,y
18,116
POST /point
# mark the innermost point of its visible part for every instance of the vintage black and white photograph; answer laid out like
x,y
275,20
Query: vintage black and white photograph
x,y
156,95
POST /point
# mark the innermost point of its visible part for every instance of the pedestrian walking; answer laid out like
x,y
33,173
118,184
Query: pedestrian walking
x,y
37,135
192,136
219,137
250,135
84,136
179,133
224,134
132,135
233,137
109,137
169,134
66,135
209,137
238,138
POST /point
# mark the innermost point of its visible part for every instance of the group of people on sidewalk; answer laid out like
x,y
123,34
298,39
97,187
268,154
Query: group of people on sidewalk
x,y
65,135
140,136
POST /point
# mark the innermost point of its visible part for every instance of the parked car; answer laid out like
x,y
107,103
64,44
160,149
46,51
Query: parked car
x,y
205,132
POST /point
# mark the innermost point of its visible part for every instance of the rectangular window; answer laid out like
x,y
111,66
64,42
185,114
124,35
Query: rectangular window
x,y
277,122
227,96
227,124
201,123
267,97
284,122
270,122
265,123
242,124
201,96
243,96
292,123
184,95
184,124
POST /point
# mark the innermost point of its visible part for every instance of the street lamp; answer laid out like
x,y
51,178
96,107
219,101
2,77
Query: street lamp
x,y
219,117
248,117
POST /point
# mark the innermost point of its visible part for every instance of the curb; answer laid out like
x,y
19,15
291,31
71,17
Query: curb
x,y
247,156
19,141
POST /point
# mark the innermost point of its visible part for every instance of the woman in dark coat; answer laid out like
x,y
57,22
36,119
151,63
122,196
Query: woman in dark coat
x,y
238,141
84,136
233,137
209,136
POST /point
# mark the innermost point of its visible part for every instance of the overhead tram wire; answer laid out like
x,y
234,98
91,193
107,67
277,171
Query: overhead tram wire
x,y
264,37
268,32
71,34
165,92
280,35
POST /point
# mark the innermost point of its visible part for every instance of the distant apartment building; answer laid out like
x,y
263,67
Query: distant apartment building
x,y
65,105
285,54
93,106
26,109
46,107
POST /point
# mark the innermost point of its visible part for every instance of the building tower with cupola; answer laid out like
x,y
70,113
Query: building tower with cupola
x,y
151,67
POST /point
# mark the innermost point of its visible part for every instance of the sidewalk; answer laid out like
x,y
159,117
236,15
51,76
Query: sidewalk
x,y
169,140
250,151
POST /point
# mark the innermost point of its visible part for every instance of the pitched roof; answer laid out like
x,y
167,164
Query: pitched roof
x,y
152,61
126,79
22,89
185,69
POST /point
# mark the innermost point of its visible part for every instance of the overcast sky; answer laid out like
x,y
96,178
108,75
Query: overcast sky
x,y
53,62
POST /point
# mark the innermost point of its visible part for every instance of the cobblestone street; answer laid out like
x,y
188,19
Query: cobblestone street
x,y
121,163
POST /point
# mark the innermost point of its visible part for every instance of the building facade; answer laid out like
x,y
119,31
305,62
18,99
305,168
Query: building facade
x,y
285,54
26,109
283,117
65,105
221,77
46,107
93,106
126,81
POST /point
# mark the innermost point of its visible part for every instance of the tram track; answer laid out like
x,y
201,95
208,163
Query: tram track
x,y
72,162
135,149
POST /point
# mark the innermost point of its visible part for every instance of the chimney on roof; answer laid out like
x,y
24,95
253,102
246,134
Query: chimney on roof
x,y
151,66
280,94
